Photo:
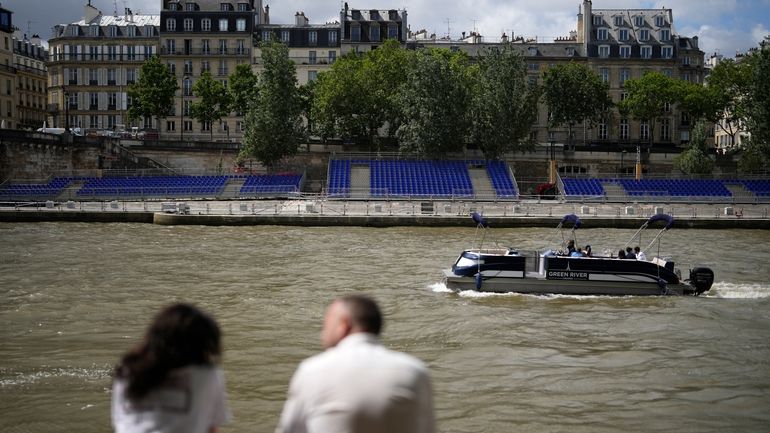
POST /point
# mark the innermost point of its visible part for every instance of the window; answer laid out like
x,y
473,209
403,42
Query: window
x,y
171,67
187,108
602,134
332,56
243,7
149,31
224,7
188,125
188,24
131,31
645,52
206,25
93,76
188,67
639,20
238,126
205,126
532,51
93,101
72,101
685,60
130,76
285,36
113,31
667,52
644,130
625,75
623,34
111,121
171,46
112,52
312,38
312,57
597,20
684,136
665,133
604,51
312,75
667,72
665,35
205,46
569,51
332,37
170,126
187,87
624,129
644,35
189,6
93,121
686,76
112,101
111,77
618,20
240,47
131,52
223,24
240,25
392,31
223,46
601,34
222,68
374,33
660,21
73,76
355,33
205,66
266,35
625,51
604,73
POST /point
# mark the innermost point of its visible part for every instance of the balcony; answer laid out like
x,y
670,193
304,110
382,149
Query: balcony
x,y
99,58
206,52
301,61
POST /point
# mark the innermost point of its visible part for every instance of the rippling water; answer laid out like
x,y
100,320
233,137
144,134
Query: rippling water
x,y
75,296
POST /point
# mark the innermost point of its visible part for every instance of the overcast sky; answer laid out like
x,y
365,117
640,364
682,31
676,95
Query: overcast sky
x,y
723,26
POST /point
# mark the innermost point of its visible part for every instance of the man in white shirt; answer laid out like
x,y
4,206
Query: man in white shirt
x,y
357,385
640,254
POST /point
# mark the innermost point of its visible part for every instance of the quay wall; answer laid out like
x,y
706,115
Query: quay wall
x,y
311,220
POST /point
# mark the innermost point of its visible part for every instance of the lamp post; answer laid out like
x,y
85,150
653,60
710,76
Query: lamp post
x,y
622,156
181,112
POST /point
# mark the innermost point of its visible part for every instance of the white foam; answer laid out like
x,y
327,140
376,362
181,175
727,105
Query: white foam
x,y
738,291
440,288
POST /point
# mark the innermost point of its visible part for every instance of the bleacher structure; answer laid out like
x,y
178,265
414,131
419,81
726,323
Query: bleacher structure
x,y
156,187
420,179
714,190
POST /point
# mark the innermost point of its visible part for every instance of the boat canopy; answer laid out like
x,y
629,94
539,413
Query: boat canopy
x,y
669,220
571,218
480,220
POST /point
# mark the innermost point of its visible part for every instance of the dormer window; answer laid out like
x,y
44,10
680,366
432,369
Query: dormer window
x,y
598,20
618,20
131,31
665,35
532,51
644,35
623,34
170,25
660,21
243,7
189,6
601,34
569,51
94,30
639,20
72,30
225,7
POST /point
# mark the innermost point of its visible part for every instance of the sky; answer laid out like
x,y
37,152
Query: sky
x,y
722,26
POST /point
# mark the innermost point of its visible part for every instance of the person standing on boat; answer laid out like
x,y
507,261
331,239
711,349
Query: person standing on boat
x,y
170,381
640,254
357,385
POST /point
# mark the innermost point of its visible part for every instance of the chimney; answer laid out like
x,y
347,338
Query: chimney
x,y
90,13
35,39
300,20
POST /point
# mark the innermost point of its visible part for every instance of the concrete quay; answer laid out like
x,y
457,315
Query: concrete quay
x,y
318,212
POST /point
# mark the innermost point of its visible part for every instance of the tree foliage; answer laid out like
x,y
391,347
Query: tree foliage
x,y
727,91
274,126
758,100
504,105
213,100
574,94
647,97
695,159
434,104
242,88
152,95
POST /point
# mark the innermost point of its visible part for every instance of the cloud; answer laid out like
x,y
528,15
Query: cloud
x,y
723,41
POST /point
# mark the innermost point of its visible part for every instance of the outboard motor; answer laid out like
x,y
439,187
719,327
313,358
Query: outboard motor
x,y
702,279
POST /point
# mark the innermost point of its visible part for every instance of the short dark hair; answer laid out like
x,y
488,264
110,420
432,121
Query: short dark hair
x,y
364,313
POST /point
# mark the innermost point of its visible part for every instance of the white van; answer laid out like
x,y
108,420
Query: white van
x,y
59,131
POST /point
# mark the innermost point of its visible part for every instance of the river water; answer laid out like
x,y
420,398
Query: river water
x,y
74,297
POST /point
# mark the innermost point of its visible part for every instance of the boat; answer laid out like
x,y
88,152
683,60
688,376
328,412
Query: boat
x,y
505,269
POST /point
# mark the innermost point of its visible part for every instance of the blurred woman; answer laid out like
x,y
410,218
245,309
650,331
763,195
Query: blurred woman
x,y
170,382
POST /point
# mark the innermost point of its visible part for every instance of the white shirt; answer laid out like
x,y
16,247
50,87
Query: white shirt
x,y
192,400
641,256
359,386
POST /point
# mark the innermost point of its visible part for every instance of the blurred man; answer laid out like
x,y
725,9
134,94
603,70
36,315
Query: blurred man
x,y
357,385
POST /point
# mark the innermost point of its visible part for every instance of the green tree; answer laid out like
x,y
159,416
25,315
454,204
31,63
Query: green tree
x,y
695,159
574,94
213,101
726,92
758,101
435,102
647,97
504,104
152,95
242,88
274,126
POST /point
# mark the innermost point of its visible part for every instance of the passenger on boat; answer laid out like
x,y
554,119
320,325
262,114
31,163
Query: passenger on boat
x,y
630,254
621,254
577,253
570,247
640,254
588,252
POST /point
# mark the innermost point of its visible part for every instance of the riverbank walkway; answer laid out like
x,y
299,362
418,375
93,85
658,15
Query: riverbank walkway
x,y
324,212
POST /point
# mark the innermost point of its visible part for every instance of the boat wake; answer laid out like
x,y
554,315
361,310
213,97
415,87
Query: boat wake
x,y
738,291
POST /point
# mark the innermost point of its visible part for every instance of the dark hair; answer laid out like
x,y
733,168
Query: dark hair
x,y
364,313
180,335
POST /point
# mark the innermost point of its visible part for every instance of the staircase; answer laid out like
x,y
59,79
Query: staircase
x,y
615,192
740,193
360,183
482,185
69,193
232,188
